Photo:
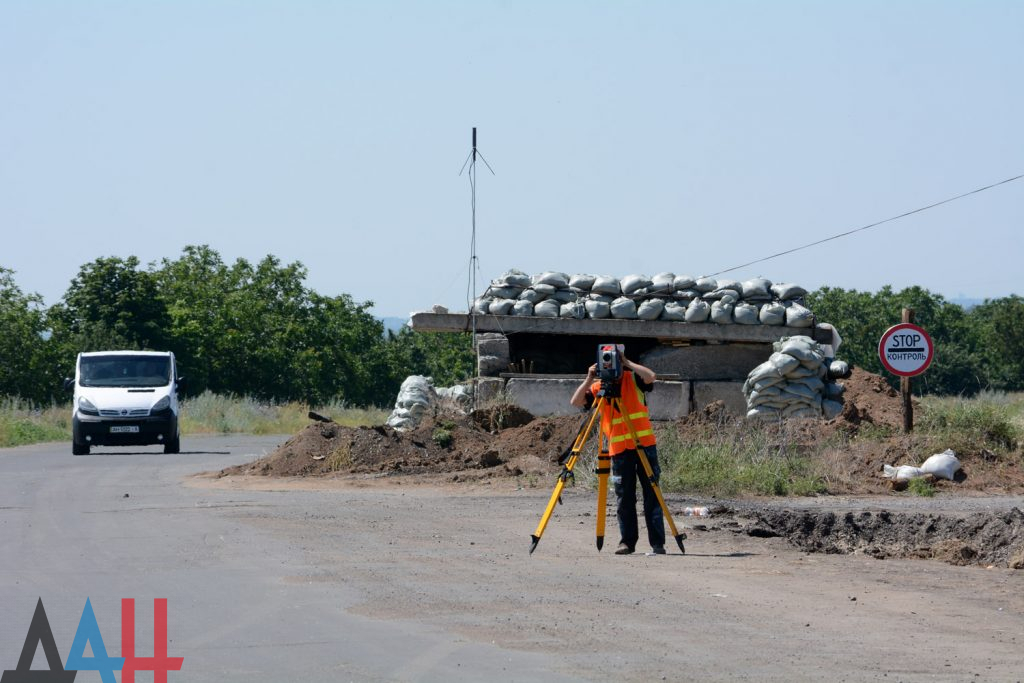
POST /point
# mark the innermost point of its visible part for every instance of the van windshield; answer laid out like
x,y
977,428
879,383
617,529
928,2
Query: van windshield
x,y
124,371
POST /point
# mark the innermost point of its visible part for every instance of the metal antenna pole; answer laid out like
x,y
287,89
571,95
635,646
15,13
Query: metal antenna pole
x,y
473,262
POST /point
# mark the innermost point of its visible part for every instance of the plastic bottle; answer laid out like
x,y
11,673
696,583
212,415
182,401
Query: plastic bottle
x,y
696,512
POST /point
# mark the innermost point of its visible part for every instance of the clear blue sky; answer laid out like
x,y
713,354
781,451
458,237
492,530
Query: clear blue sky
x,y
626,137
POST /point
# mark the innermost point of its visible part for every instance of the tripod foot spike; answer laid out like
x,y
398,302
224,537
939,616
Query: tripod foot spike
x,y
679,541
600,543
533,546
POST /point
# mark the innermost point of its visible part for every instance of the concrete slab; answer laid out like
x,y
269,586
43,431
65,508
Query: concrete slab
x,y
708,362
669,400
730,393
543,397
488,389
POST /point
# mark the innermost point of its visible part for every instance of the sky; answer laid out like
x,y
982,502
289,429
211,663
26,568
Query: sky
x,y
625,137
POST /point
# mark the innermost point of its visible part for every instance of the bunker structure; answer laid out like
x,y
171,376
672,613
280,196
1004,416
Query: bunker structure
x,y
537,363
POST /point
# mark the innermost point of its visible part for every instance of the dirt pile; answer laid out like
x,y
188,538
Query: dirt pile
x,y
978,538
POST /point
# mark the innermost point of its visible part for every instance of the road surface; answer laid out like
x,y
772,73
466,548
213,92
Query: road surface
x,y
381,581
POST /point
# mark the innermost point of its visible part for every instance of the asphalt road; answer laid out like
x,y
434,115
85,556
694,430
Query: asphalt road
x,y
396,581
243,603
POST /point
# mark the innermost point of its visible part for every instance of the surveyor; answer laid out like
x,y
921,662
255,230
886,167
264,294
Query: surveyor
x,y
633,383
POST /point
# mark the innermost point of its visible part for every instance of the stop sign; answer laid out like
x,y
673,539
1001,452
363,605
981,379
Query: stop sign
x,y
906,350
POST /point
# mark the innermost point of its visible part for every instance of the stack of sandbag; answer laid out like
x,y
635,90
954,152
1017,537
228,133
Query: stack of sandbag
x,y
666,296
415,398
796,381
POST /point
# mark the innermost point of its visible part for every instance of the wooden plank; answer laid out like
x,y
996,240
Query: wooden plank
x,y
610,327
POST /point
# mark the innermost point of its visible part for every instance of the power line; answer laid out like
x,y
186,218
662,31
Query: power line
x,y
872,225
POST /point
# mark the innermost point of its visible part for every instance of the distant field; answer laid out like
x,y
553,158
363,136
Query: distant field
x,y
22,423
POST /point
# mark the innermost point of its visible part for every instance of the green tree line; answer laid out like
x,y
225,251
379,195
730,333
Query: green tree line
x,y
257,330
245,329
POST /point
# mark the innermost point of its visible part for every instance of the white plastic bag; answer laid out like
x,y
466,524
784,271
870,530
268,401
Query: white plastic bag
x,y
902,473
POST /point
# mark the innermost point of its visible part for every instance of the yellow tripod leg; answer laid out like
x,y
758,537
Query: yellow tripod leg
x,y
650,477
604,468
581,439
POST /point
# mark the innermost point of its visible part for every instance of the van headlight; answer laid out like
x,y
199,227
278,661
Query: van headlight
x,y
162,404
86,407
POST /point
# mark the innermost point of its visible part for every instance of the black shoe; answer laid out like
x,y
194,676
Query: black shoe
x,y
623,549
658,550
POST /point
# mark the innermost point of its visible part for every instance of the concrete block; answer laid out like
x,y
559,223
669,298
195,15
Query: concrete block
x,y
493,358
669,400
488,389
708,362
543,397
730,393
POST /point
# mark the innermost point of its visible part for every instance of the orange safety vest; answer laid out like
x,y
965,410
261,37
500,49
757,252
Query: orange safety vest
x,y
613,426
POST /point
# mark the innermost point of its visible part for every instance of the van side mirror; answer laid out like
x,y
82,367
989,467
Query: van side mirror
x,y
69,384
181,383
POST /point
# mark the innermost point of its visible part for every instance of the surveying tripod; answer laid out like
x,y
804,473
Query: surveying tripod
x,y
604,466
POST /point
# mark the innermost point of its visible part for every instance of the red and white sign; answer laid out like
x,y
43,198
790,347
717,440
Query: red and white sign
x,y
906,350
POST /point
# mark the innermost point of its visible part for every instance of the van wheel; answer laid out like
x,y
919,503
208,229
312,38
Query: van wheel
x,y
79,449
173,446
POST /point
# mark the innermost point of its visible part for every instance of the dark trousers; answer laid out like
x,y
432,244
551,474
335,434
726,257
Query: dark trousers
x,y
627,468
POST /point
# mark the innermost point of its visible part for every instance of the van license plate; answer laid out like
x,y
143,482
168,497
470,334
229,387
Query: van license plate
x,y
125,429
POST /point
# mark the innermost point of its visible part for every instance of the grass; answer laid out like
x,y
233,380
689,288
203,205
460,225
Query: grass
x,y
22,423
992,420
758,459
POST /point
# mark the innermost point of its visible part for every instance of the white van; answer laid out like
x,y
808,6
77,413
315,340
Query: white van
x,y
125,398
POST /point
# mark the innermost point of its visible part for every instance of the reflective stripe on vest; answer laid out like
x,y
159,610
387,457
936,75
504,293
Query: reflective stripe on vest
x,y
615,428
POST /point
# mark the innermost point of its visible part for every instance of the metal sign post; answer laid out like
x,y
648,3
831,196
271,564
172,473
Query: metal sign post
x,y
906,350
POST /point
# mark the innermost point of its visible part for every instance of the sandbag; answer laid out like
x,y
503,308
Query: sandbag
x,y
582,282
799,316
801,391
764,412
705,284
943,465
772,313
624,308
729,284
532,295
683,282
756,289
839,369
553,278
765,369
833,390
799,349
698,311
523,308
663,283
686,295
721,292
547,309
597,309
831,409
721,313
482,306
564,296
745,314
650,309
800,371
631,283
783,362
812,383
606,298
674,311
785,291
546,290
901,473
513,277
606,285
504,292
501,306
575,309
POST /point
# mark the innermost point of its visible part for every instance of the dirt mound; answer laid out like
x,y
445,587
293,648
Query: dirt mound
x,y
444,445
868,398
979,538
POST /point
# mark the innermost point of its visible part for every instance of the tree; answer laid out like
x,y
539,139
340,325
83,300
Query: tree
x,y
26,369
1000,325
862,318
